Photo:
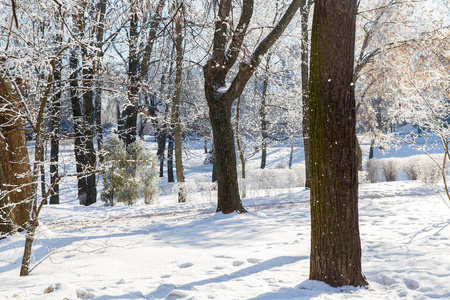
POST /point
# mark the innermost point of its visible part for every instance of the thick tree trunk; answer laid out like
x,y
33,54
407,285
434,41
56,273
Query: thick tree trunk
x,y
15,169
228,188
335,242
304,10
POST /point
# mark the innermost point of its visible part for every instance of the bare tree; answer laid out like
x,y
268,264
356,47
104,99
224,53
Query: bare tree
x,y
220,96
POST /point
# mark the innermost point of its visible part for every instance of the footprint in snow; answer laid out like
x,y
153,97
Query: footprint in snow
x,y
238,263
253,260
185,265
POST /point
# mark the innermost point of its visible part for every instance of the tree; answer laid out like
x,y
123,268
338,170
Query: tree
x,y
176,120
15,171
335,241
304,10
220,97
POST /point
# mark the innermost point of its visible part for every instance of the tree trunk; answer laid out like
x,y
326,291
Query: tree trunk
x,y
100,28
131,110
176,120
88,139
291,155
15,169
228,188
372,144
54,139
161,138
78,126
42,170
263,114
335,242
304,10
170,177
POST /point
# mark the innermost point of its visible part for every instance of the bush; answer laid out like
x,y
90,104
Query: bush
x,y
418,167
129,174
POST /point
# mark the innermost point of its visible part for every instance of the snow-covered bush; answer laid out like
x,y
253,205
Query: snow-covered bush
x,y
129,174
276,178
419,167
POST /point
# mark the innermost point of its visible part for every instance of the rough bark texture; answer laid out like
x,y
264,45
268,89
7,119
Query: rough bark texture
x,y
131,110
228,188
88,139
54,139
304,10
170,177
335,241
263,115
15,169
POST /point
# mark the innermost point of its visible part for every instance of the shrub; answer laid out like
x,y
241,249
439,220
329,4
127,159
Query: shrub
x,y
129,174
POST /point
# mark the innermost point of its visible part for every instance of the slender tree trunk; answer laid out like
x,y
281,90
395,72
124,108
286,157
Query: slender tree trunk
x,y
54,139
161,139
263,115
170,177
131,110
176,120
100,28
291,155
372,144
304,10
78,126
335,242
26,259
42,169
88,145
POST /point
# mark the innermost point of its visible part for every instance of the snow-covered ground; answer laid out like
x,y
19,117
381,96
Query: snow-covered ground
x,y
170,250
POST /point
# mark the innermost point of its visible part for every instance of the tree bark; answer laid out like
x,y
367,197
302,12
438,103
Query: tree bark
x,y
88,139
228,189
161,139
15,169
131,110
335,241
54,138
304,10
263,114
176,120
170,177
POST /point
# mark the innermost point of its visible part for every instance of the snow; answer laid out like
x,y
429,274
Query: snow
x,y
170,251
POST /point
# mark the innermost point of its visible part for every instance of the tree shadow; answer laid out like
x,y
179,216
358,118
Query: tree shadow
x,y
165,289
